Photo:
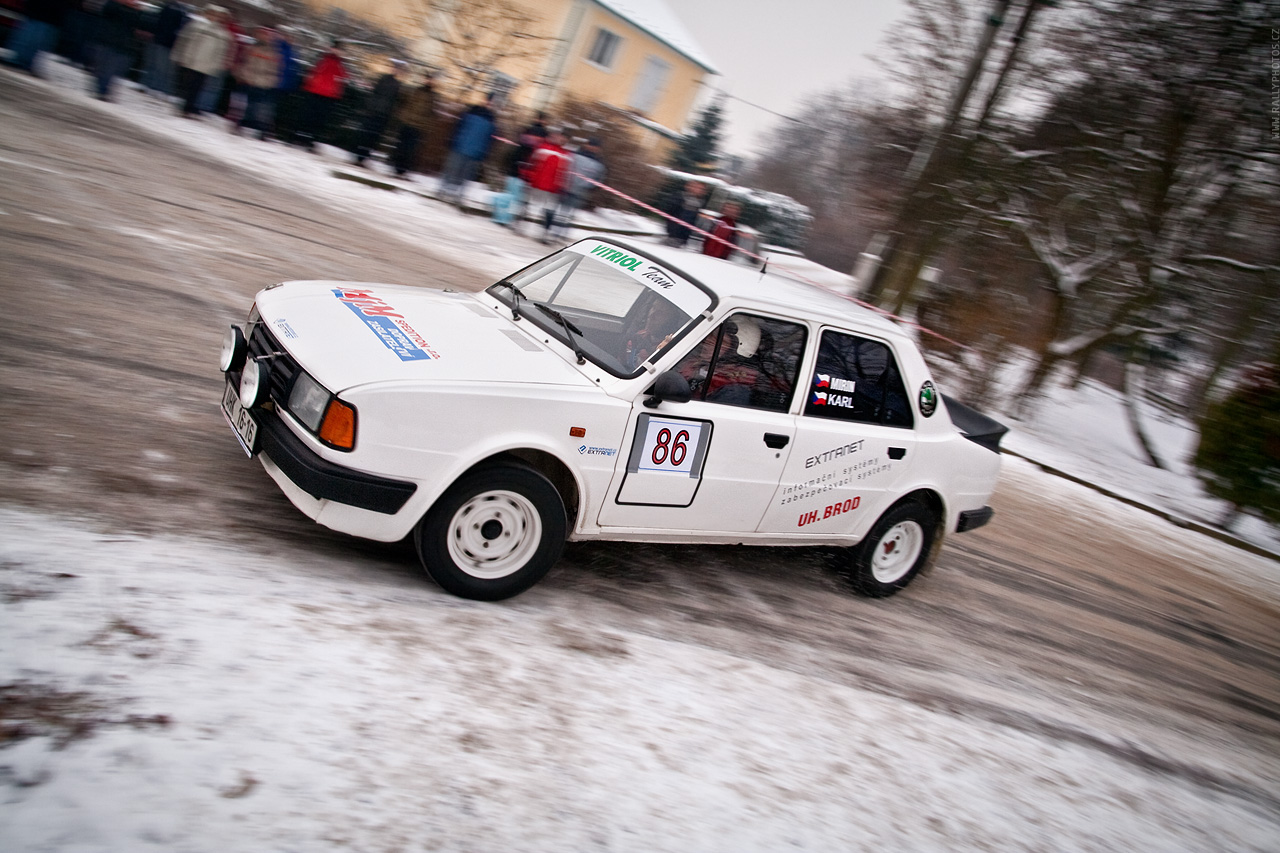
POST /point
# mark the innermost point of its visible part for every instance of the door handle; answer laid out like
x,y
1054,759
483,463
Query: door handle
x,y
897,452
774,441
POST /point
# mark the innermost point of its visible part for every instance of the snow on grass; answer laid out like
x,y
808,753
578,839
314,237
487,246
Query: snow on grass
x,y
288,703
1085,432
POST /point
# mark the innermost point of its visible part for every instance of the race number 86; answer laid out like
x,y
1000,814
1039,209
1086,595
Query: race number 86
x,y
668,450
670,446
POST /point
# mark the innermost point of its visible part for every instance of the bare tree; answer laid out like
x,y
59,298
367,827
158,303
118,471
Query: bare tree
x,y
1163,142
472,40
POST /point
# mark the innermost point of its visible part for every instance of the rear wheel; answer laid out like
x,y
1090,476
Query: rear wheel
x,y
894,552
494,533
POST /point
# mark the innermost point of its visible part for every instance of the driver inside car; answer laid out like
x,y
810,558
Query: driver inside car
x,y
722,369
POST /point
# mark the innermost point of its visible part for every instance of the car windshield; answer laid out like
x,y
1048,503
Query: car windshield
x,y
611,305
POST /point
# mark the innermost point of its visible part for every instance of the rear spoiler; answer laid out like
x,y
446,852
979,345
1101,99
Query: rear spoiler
x,y
974,425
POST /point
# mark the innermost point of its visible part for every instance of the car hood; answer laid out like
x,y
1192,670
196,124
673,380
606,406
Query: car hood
x,y
347,334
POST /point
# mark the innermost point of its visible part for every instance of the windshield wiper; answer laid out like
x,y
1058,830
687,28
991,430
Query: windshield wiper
x,y
515,300
571,331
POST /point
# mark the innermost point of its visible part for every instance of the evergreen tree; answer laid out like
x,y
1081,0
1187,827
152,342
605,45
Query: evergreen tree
x,y
1239,451
700,150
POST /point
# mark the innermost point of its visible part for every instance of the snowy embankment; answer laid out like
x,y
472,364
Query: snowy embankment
x,y
198,697
1084,433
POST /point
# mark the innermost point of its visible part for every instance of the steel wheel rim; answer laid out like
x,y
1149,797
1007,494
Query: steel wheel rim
x,y
897,551
494,534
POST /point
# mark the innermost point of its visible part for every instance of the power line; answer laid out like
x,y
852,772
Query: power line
x,y
725,94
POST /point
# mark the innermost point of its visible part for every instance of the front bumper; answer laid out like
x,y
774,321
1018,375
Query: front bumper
x,y
325,480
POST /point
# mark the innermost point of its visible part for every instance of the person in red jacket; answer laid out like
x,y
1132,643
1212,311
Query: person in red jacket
x,y
322,89
546,174
726,228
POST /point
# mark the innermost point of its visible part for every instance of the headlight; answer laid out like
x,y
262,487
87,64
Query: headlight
x,y
234,350
333,421
307,401
253,384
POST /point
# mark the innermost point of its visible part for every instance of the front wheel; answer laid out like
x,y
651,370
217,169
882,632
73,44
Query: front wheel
x,y
494,533
894,552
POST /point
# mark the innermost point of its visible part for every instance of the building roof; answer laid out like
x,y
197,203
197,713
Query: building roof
x,y
657,19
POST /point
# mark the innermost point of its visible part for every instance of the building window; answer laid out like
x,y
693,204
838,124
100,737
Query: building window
x,y
604,49
650,84
500,86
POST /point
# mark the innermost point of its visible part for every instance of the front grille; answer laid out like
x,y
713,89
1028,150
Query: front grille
x,y
281,367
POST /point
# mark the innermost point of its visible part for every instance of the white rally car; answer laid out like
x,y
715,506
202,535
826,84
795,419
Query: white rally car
x,y
606,392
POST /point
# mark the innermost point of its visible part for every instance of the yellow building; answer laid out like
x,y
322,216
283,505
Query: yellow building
x,y
633,55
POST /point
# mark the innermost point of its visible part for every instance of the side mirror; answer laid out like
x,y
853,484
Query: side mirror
x,y
669,387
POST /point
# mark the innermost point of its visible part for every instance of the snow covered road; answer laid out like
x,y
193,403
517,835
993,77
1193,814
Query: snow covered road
x,y
263,701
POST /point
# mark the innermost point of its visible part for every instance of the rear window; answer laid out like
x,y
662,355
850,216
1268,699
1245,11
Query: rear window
x,y
857,379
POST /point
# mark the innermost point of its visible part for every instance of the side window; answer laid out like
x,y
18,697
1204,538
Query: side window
x,y
603,48
747,361
857,379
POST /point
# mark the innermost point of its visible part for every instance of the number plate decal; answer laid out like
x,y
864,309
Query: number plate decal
x,y
666,461
671,445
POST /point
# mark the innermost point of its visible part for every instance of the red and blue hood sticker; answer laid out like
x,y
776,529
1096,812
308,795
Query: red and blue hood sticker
x,y
387,324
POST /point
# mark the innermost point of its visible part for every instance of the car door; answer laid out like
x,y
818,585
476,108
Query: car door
x,y
854,441
712,464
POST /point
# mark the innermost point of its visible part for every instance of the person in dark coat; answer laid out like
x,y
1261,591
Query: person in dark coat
x,y
469,145
378,111
164,27
287,102
414,117
685,207
118,20
39,32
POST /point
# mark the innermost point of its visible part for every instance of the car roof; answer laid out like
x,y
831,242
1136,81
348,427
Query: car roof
x,y
735,282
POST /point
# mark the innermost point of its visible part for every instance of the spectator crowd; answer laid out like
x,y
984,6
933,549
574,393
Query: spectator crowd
x,y
206,62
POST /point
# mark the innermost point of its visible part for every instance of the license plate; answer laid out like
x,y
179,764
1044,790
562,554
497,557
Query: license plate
x,y
243,423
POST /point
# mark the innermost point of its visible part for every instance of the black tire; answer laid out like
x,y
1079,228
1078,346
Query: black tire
x,y
494,533
894,552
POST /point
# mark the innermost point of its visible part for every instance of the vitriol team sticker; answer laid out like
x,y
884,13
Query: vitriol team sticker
x,y
928,399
